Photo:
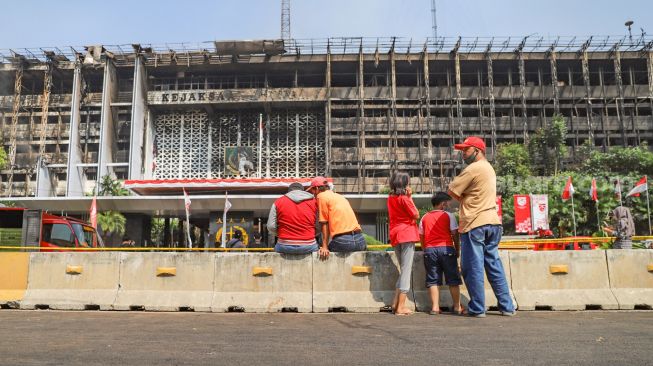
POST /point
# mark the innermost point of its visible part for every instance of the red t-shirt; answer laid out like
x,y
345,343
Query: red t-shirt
x,y
436,226
401,217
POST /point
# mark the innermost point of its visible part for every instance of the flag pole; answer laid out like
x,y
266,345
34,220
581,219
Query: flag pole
x,y
598,216
223,237
621,202
573,214
648,208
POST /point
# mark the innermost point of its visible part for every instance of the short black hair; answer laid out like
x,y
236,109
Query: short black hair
x,y
439,197
237,234
295,186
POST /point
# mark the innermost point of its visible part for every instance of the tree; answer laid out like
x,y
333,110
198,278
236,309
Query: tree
x,y
547,147
111,222
3,158
111,187
512,159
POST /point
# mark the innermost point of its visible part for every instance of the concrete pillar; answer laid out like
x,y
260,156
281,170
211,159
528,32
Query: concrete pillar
x,y
139,119
76,178
107,143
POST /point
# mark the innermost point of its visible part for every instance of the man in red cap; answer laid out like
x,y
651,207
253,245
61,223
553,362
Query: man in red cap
x,y
480,228
337,219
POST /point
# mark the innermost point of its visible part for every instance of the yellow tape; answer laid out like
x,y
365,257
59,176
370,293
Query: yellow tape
x,y
74,270
649,267
361,270
262,271
558,269
166,271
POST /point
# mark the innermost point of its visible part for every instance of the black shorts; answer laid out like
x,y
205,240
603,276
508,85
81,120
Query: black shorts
x,y
441,261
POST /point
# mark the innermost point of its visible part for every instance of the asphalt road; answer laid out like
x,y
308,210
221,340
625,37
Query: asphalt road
x,y
138,338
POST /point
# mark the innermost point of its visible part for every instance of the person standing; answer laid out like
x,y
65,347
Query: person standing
x,y
402,221
293,219
480,228
623,228
438,232
337,220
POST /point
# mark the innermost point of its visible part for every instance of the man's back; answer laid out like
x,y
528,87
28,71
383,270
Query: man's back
x,y
477,188
336,210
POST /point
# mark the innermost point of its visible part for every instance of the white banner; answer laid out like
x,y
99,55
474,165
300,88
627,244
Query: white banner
x,y
540,211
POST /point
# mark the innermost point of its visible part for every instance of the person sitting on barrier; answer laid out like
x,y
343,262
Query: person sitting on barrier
x,y
337,220
476,188
438,231
236,240
402,222
293,219
623,228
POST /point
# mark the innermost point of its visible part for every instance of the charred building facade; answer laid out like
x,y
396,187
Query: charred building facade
x,y
349,108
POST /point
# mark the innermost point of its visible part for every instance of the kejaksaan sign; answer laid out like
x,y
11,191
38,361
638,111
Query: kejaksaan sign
x,y
234,95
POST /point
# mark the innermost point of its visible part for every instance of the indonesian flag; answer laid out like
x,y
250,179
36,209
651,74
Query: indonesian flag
x,y
186,202
568,191
593,194
640,187
93,213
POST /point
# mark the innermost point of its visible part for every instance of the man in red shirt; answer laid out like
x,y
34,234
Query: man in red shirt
x,y
438,231
293,219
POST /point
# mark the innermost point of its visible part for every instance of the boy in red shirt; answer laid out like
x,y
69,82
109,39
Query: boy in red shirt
x,y
438,231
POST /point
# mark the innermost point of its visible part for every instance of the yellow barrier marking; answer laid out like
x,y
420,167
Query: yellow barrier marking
x,y
166,271
361,270
74,270
511,244
261,271
649,268
559,268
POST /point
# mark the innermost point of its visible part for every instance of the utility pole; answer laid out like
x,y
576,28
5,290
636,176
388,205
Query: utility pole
x,y
285,20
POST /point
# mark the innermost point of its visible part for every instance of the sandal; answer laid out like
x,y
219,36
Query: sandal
x,y
432,312
461,311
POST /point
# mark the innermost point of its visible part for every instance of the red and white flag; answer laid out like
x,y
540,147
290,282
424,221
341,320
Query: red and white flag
x,y
593,194
93,213
186,202
640,187
568,191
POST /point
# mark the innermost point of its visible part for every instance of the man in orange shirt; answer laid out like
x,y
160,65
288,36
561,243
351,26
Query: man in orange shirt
x,y
337,219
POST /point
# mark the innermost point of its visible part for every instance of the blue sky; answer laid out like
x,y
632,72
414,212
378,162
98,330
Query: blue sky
x,y
41,23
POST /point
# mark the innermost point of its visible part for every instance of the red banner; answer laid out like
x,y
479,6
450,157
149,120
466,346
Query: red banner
x,y
522,213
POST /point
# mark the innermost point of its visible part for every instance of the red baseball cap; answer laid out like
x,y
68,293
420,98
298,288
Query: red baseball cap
x,y
319,182
472,141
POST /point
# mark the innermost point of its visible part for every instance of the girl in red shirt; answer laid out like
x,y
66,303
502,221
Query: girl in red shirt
x,y
402,217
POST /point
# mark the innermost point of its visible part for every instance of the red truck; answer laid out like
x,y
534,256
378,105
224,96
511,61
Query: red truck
x,y
41,229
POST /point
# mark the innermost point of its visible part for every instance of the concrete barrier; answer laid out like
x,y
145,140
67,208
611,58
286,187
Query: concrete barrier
x,y
165,281
355,282
631,277
260,283
13,278
561,280
423,299
72,281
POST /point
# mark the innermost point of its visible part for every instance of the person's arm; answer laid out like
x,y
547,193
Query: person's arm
x,y
324,249
453,195
272,220
410,207
456,241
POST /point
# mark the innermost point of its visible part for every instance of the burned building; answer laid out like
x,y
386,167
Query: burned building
x,y
349,108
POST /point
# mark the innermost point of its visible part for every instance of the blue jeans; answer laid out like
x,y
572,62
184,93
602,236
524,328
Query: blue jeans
x,y
295,249
480,250
348,243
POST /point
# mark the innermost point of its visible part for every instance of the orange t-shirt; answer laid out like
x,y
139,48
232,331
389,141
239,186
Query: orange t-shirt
x,y
336,210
